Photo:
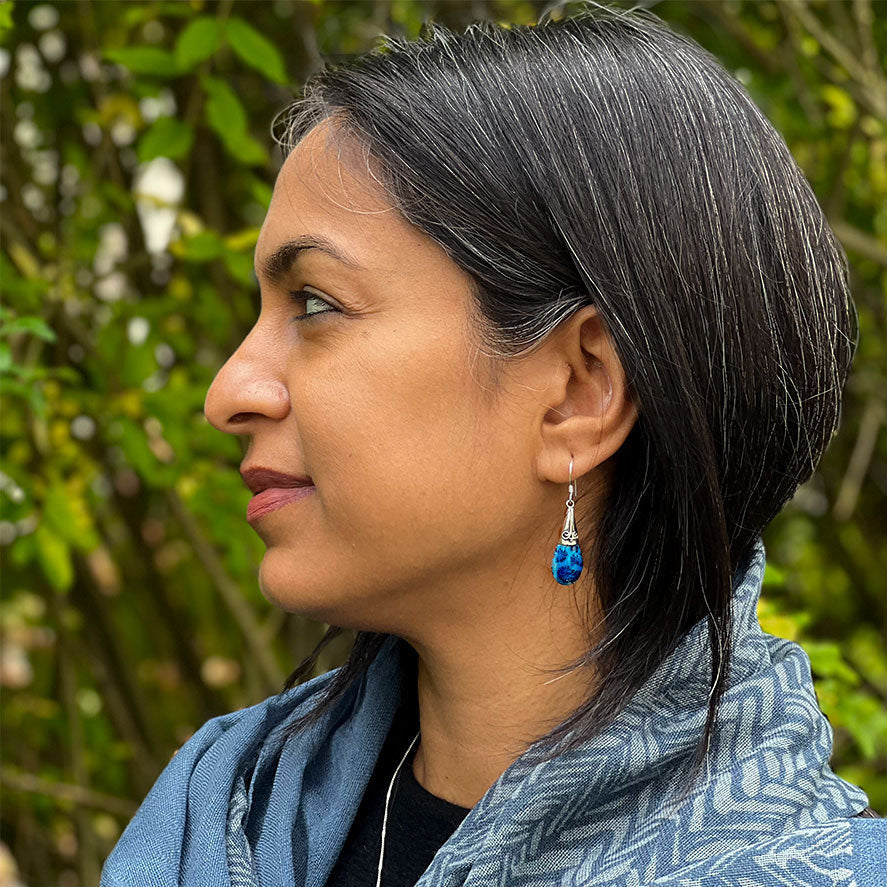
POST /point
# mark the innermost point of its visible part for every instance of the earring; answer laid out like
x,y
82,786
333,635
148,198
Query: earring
x,y
566,565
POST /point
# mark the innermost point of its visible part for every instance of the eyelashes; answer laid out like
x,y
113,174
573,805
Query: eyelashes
x,y
299,297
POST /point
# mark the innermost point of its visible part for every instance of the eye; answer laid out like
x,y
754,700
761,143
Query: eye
x,y
306,297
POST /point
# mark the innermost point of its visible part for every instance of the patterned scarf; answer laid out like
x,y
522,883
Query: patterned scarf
x,y
238,806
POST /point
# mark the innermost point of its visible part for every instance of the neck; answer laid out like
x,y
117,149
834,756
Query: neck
x,y
485,698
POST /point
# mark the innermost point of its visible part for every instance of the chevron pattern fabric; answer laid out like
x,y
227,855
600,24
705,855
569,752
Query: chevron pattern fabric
x,y
239,806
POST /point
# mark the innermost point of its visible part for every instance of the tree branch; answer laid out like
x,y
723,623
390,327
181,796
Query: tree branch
x,y
66,792
230,594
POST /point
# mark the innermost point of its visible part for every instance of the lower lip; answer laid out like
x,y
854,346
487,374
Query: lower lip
x,y
273,498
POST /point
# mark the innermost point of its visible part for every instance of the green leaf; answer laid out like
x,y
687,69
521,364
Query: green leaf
x,y
167,137
37,400
134,443
67,514
34,325
136,14
54,557
260,192
226,116
224,112
198,40
145,60
5,358
826,661
255,49
247,150
240,266
23,550
203,246
136,364
773,575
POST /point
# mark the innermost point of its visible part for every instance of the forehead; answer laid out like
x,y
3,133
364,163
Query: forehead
x,y
324,190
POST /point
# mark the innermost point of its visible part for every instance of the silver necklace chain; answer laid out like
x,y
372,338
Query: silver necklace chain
x,y
387,800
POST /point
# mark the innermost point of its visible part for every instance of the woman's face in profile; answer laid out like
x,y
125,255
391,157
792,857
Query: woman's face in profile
x,y
380,398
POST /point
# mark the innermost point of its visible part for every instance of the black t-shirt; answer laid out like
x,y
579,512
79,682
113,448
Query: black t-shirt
x,y
418,822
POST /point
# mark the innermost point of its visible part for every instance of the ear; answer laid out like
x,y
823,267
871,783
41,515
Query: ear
x,y
590,412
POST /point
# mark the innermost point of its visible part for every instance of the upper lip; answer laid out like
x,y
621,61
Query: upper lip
x,y
258,478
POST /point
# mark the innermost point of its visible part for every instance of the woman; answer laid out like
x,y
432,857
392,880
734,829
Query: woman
x,y
552,326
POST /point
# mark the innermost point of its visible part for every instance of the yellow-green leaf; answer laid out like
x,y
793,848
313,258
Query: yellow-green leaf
x,y
54,557
842,110
68,516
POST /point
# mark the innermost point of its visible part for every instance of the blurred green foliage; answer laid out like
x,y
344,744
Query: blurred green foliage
x,y
137,166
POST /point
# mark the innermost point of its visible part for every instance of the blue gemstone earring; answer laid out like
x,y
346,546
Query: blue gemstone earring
x,y
566,565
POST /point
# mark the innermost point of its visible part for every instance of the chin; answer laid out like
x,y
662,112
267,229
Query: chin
x,y
303,592
288,588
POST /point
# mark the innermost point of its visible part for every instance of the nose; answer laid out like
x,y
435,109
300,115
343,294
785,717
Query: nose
x,y
246,390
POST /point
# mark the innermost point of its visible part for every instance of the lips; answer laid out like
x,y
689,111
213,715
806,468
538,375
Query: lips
x,y
259,478
273,489
275,497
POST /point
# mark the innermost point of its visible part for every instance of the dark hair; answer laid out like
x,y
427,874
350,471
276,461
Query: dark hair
x,y
605,159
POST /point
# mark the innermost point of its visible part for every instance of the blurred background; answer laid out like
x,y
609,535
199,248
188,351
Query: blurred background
x,y
137,166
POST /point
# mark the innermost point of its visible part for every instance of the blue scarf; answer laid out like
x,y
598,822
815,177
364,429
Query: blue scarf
x,y
240,806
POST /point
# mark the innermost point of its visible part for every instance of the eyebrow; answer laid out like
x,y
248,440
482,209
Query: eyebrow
x,y
276,266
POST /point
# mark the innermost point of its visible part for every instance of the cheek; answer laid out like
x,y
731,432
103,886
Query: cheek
x,y
396,438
